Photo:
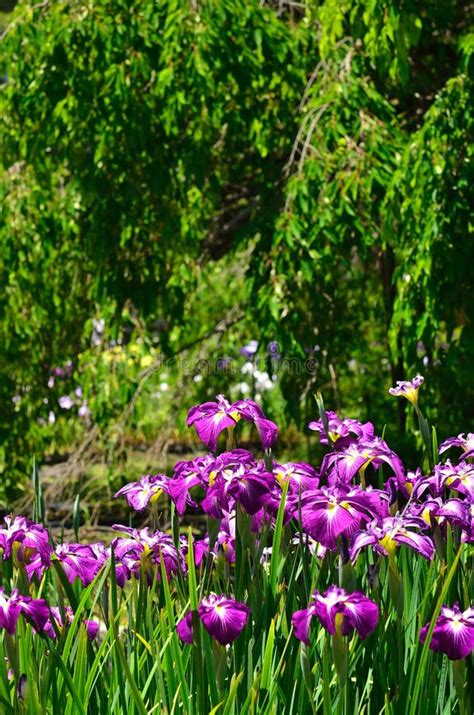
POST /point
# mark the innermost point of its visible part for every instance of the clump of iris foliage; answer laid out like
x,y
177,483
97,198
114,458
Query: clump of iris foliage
x,y
346,587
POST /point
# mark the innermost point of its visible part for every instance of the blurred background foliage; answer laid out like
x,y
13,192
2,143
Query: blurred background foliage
x,y
178,178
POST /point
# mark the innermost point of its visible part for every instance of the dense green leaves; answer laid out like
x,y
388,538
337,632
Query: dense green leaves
x,y
165,162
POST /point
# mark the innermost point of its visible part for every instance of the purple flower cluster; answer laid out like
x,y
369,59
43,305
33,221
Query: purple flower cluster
x,y
30,547
142,551
345,499
361,497
55,623
37,612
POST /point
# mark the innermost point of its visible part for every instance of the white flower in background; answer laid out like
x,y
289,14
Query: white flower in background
x,y
164,387
78,392
83,410
51,382
243,388
197,378
247,368
51,417
65,402
263,380
98,329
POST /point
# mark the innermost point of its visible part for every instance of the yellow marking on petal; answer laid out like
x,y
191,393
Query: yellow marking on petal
x,y
412,395
426,516
389,544
156,496
282,477
235,415
212,477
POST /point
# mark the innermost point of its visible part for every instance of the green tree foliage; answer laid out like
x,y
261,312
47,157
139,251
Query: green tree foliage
x,y
145,146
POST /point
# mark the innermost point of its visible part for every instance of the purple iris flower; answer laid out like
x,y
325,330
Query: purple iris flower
x,y
92,627
28,543
412,480
184,628
240,484
408,389
227,461
252,412
458,477
343,465
225,542
453,633
272,502
36,610
21,531
468,535
451,511
339,612
211,418
274,349
342,432
148,489
78,561
301,476
101,552
145,550
327,513
224,619
250,488
200,550
189,474
385,537
220,479
250,349
465,442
